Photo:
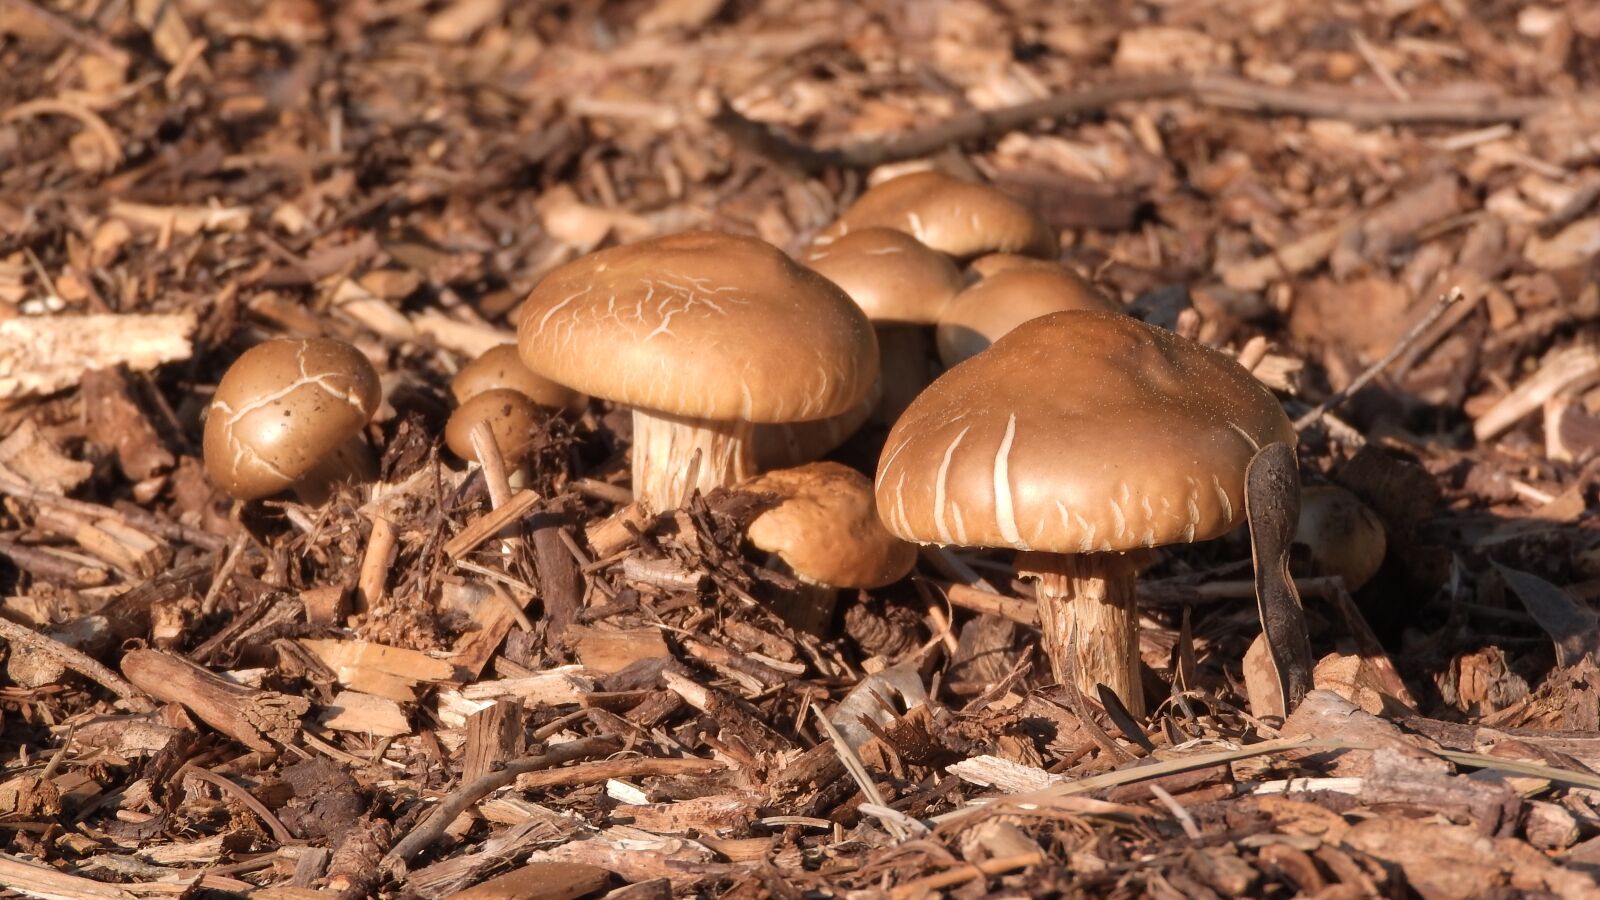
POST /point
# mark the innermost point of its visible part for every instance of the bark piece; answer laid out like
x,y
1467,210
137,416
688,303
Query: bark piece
x,y
257,719
541,881
494,735
42,355
115,420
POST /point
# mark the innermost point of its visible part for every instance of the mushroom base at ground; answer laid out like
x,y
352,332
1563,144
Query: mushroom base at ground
x,y
351,463
664,451
808,607
905,366
1089,620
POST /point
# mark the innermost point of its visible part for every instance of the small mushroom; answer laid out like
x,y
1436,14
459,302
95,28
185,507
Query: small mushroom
x,y
702,335
826,530
289,414
1011,290
903,287
1078,438
1345,537
512,418
785,445
502,367
961,218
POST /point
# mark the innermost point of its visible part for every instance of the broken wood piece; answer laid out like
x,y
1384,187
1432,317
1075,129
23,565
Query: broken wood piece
x,y
28,456
490,524
607,769
554,687
75,660
1569,369
362,713
617,531
258,719
492,619
390,672
42,355
184,220
465,338
494,734
540,881
608,650
666,574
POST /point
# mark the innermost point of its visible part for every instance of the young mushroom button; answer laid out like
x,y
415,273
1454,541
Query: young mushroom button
x,y
961,218
703,335
289,414
827,531
1076,438
512,419
501,367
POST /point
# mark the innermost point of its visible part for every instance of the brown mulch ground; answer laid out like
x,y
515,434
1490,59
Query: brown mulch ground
x,y
273,699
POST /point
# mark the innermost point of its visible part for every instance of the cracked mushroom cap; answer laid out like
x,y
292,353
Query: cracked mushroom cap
x,y
501,367
827,529
892,276
961,218
512,417
283,408
1078,432
702,325
1013,290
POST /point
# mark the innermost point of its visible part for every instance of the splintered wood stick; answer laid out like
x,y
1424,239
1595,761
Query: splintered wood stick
x,y
258,719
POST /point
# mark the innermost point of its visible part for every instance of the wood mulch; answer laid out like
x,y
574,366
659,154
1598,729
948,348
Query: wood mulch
x,y
276,700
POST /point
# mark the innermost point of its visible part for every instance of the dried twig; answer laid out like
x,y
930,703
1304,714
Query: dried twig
x,y
72,659
432,827
1213,90
1373,371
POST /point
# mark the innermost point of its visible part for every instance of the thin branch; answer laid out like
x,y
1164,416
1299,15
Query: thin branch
x,y
1373,371
1212,90
432,827
76,660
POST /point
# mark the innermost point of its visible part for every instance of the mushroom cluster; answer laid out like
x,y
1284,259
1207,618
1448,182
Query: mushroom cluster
x,y
1063,430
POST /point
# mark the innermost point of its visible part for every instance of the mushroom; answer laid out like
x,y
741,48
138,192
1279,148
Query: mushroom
x,y
703,335
512,419
902,286
1345,537
502,367
289,414
1078,438
826,530
961,218
1011,290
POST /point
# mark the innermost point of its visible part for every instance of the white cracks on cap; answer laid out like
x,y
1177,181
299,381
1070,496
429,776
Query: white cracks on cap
x,y
1192,504
1254,444
1005,515
939,487
914,222
1222,498
545,319
327,382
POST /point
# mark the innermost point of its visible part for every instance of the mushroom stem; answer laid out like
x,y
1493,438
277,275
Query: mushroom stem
x,y
664,448
905,367
352,463
1090,598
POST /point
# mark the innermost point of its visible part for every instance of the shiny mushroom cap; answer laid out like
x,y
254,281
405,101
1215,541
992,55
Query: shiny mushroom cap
x,y
701,325
1013,290
826,528
961,218
502,367
1078,432
1345,537
892,276
512,417
283,408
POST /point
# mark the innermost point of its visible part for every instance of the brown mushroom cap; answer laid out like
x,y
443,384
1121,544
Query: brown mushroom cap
x,y
1014,290
961,218
502,367
891,275
1344,536
1078,432
511,416
701,325
827,529
281,409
